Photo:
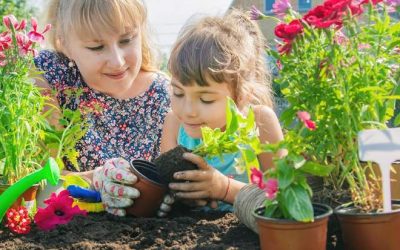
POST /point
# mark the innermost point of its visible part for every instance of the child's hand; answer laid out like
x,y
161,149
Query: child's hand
x,y
205,183
110,180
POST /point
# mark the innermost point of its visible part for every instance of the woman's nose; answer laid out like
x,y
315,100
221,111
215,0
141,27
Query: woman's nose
x,y
116,58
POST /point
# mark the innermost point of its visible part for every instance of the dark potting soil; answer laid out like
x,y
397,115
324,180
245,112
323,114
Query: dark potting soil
x,y
172,161
191,230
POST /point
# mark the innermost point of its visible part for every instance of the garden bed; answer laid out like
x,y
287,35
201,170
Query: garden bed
x,y
194,230
181,230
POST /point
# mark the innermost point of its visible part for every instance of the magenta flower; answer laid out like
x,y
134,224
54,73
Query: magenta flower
x,y
281,7
306,119
11,20
256,177
271,188
59,211
36,36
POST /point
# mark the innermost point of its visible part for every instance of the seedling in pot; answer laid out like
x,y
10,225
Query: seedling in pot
x,y
240,135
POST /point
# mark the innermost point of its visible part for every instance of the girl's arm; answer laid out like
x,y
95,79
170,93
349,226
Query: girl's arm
x,y
270,132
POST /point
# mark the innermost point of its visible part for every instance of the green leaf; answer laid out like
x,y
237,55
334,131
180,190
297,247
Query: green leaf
x,y
317,169
285,174
298,203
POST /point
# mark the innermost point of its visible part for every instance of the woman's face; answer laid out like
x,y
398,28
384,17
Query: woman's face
x,y
108,63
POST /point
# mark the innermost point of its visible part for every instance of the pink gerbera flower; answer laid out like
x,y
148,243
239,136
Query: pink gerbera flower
x,y
59,211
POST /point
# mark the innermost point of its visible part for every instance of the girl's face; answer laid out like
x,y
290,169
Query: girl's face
x,y
109,63
197,106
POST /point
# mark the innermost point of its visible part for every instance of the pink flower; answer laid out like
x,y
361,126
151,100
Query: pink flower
x,y
59,211
10,20
280,7
393,3
256,177
5,41
306,119
255,14
271,188
36,36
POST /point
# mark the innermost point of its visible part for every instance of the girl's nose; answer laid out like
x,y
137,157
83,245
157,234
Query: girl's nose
x,y
189,109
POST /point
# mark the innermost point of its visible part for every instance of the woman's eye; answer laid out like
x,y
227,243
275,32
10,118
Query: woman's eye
x,y
206,101
125,41
97,48
178,94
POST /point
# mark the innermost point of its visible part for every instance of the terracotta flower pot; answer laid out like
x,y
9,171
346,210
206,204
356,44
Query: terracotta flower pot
x,y
150,188
29,196
370,231
280,234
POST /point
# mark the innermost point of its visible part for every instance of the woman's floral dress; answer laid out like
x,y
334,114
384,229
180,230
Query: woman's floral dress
x,y
128,128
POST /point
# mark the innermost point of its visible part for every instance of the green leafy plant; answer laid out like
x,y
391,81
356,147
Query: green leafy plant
x,y
240,134
27,138
288,193
340,61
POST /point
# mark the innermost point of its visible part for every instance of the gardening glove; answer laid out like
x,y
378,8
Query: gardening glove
x,y
111,181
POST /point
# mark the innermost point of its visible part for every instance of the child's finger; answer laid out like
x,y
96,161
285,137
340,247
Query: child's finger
x,y
116,202
116,211
186,186
199,161
193,195
192,175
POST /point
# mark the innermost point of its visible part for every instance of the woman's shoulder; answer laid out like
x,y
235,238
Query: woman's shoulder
x,y
47,58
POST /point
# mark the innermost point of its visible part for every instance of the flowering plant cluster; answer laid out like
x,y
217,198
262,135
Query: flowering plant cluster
x,y
59,210
27,138
340,62
288,194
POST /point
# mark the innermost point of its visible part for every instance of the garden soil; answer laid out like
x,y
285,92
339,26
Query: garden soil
x,y
181,230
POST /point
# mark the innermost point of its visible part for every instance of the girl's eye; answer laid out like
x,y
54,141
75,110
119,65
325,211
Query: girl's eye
x,y
97,48
206,101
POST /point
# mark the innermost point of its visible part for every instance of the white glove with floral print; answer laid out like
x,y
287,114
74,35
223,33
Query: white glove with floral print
x,y
111,181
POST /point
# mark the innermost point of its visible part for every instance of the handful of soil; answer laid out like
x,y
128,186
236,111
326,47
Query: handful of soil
x,y
172,161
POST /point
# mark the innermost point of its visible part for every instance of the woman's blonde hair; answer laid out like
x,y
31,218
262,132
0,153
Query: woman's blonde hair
x,y
225,49
90,17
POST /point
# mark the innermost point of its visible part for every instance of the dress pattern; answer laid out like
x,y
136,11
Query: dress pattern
x,y
129,128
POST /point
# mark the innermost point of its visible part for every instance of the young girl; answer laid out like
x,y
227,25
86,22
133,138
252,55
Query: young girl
x,y
102,47
212,59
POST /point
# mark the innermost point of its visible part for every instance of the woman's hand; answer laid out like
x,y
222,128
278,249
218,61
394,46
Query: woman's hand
x,y
205,183
111,181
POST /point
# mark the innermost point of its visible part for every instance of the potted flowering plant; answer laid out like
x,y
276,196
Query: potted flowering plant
x,y
340,61
286,210
27,138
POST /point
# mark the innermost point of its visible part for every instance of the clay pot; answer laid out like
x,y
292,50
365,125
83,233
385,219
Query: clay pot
x,y
150,188
29,196
370,231
281,234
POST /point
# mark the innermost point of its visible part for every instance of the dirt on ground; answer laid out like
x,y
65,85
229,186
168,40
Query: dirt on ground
x,y
193,230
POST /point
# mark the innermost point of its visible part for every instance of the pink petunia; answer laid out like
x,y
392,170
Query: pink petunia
x,y
59,211
256,177
271,188
281,7
305,117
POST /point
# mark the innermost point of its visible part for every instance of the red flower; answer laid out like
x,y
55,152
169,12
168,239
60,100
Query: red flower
x,y
306,119
374,2
289,31
36,36
285,48
271,188
323,17
59,211
18,220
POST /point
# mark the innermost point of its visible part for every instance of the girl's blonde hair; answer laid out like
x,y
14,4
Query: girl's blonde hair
x,y
91,17
225,49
